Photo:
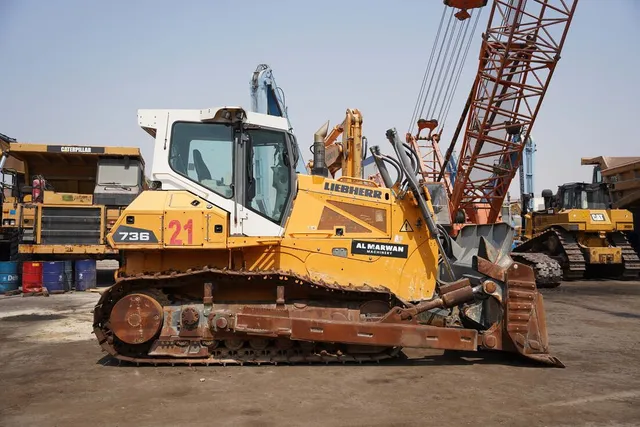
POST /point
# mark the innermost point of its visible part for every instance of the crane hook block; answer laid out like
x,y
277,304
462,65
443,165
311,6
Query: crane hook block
x,y
427,124
464,5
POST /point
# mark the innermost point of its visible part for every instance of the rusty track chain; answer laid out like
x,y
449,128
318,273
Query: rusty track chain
x,y
300,352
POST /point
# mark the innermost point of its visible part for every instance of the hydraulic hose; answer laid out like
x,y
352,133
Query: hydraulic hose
x,y
405,163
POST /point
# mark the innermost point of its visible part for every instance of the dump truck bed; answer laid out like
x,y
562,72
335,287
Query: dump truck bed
x,y
624,175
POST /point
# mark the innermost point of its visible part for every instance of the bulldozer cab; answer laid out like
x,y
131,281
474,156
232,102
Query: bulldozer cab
x,y
242,162
583,196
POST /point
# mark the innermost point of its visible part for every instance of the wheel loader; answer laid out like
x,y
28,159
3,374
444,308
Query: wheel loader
x,y
237,255
580,231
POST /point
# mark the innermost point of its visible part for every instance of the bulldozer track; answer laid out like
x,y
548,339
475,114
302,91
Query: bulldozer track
x,y
630,259
222,353
572,268
547,270
576,264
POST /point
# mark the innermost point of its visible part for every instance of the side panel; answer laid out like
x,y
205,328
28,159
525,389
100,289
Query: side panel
x,y
359,237
622,219
11,213
183,221
170,219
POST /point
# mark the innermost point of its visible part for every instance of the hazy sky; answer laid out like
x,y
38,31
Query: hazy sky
x,y
75,72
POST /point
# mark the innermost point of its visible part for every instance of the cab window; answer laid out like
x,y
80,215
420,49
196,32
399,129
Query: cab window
x,y
203,152
269,184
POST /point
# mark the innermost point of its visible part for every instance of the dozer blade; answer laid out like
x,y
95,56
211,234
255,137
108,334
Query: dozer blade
x,y
505,306
513,318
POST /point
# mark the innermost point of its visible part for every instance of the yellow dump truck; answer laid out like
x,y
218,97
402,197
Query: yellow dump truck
x,y
64,199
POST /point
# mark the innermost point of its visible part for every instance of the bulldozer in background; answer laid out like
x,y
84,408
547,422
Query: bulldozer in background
x,y
582,233
237,255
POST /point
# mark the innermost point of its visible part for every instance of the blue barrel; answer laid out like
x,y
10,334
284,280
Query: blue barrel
x,y
53,276
68,275
85,274
9,278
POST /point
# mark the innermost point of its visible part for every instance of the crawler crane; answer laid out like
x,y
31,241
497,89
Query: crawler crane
x,y
520,50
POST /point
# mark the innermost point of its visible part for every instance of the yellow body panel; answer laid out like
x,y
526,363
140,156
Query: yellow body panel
x,y
166,214
10,213
15,215
585,220
330,220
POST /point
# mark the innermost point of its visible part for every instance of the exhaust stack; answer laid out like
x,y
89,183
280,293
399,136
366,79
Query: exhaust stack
x,y
319,163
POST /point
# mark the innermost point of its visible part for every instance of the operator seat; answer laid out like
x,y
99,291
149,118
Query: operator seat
x,y
204,176
201,168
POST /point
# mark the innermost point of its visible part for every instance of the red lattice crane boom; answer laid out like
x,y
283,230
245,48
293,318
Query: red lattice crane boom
x,y
520,50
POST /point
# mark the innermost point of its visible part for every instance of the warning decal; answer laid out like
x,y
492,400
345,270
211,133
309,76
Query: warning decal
x,y
406,227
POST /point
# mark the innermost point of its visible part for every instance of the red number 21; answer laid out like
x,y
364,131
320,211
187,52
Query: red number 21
x,y
177,227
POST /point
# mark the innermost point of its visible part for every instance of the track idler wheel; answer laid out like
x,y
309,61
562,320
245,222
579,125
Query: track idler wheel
x,y
234,344
258,344
136,318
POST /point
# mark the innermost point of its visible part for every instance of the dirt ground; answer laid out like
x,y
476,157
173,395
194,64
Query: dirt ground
x,y
52,373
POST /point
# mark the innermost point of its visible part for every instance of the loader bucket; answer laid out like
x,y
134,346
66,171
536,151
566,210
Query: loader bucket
x,y
513,318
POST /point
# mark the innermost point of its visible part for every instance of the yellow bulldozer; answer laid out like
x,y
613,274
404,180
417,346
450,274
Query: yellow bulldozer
x,y
578,230
237,255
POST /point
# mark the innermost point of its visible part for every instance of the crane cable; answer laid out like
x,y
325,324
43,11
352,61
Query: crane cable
x,y
444,74
430,110
445,114
416,115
